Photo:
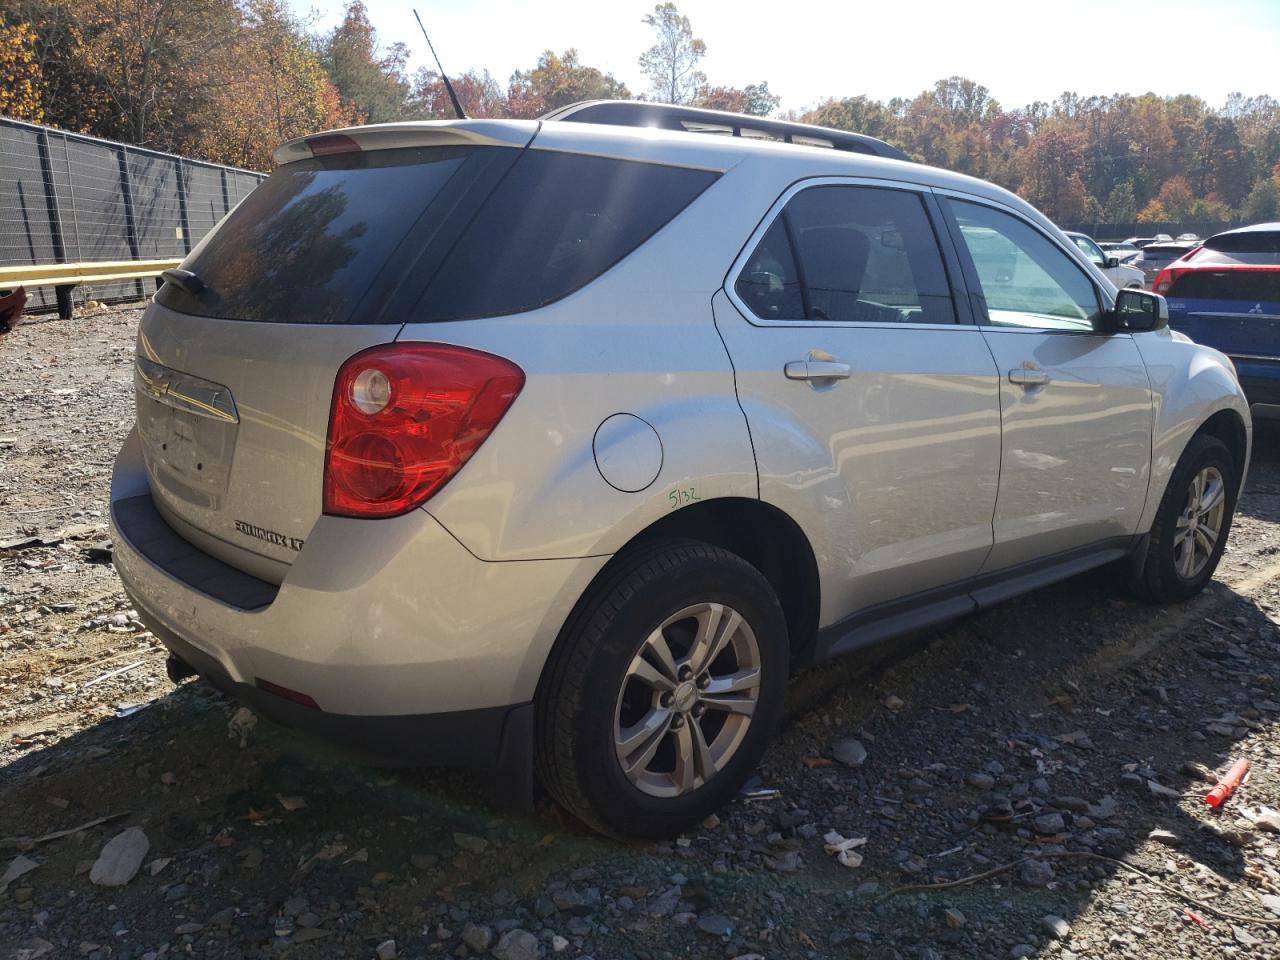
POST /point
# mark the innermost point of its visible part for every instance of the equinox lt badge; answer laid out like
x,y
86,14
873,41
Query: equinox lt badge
x,y
270,536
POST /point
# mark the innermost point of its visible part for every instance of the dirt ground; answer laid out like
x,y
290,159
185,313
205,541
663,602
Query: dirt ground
x,y
1050,744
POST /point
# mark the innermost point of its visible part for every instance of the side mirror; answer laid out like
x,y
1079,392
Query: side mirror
x,y
1112,262
1137,311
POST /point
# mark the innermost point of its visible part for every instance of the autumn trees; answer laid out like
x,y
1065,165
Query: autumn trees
x,y
217,79
1118,159
20,75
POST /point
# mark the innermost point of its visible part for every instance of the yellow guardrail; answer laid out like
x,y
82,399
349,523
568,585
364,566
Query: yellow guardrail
x,y
64,277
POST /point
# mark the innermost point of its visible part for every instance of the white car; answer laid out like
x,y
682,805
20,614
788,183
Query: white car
x,y
1118,272
558,446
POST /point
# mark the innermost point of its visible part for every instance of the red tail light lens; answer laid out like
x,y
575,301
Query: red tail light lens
x,y
405,418
1165,278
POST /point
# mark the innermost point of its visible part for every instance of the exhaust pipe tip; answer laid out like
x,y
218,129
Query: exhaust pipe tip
x,y
178,669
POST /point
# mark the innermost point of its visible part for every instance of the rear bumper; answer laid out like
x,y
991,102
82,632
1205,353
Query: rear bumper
x,y
489,740
1260,380
414,650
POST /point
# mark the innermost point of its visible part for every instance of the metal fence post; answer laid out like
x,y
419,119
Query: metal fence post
x,y
126,190
182,207
71,186
63,294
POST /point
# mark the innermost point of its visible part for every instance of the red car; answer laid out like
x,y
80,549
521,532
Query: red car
x,y
1226,295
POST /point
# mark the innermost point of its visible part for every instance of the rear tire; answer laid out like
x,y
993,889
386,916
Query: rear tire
x,y
1191,527
663,690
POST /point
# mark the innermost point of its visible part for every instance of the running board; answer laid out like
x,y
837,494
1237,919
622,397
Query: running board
x,y
930,608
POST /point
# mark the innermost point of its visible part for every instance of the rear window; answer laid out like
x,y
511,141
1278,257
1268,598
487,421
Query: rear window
x,y
307,245
428,233
1251,241
1255,286
1163,253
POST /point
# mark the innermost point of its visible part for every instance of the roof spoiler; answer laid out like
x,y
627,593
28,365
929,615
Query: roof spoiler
x,y
636,113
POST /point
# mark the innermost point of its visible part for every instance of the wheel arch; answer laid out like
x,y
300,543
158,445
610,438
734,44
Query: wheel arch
x,y
1228,426
759,533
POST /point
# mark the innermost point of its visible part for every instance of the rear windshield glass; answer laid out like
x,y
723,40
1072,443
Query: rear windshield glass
x,y
1163,253
1251,241
306,245
1255,286
431,233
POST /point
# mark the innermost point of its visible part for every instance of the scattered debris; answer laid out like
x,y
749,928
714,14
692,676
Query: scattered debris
x,y
844,849
1227,785
849,752
114,673
120,858
241,725
18,866
1055,927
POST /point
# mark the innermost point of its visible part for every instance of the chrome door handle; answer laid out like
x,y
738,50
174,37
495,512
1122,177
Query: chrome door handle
x,y
817,370
1028,378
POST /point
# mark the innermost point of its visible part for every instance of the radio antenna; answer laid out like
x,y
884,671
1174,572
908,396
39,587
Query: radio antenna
x,y
457,107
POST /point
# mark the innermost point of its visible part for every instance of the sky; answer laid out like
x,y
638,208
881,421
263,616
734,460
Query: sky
x,y
807,50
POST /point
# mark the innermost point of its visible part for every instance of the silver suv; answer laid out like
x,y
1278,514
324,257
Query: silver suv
x,y
557,446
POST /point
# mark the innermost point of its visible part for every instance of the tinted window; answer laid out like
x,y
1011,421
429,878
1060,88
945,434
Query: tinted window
x,y
307,244
849,254
1153,253
1249,241
554,223
1027,281
485,231
769,284
1250,286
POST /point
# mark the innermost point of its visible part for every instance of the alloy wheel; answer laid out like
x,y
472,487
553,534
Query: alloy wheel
x,y
1199,526
687,699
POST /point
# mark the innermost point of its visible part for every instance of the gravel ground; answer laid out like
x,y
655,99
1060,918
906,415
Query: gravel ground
x,y
1052,744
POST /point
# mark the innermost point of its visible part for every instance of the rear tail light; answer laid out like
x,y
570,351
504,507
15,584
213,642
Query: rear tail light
x,y
1166,277
405,418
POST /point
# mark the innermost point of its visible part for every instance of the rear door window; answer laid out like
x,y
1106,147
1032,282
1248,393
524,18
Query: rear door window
x,y
849,254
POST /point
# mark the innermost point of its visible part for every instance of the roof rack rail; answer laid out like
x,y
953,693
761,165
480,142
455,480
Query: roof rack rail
x,y
638,113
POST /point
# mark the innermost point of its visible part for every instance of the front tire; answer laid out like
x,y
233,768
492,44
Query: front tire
x,y
663,691
1191,527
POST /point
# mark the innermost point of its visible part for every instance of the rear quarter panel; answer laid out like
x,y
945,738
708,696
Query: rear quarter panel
x,y
640,340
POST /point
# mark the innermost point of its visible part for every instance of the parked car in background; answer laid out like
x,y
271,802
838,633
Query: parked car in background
x,y
558,445
1226,294
1156,256
1141,242
1117,272
1118,248
1188,238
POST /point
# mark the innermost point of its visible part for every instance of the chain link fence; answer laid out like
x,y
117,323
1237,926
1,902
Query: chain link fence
x,y
66,197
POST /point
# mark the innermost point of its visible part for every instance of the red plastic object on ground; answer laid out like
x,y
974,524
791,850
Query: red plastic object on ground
x,y
1227,785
